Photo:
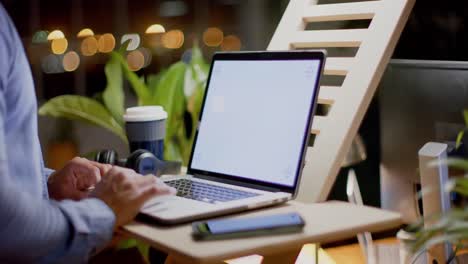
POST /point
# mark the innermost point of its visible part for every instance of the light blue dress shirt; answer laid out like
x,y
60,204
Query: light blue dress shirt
x,y
32,227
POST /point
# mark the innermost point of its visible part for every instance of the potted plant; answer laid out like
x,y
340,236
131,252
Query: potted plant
x,y
451,227
179,89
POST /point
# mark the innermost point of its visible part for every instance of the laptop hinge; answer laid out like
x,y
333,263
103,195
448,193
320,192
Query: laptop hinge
x,y
237,183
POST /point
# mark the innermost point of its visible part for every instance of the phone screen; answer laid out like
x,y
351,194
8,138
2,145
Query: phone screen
x,y
255,223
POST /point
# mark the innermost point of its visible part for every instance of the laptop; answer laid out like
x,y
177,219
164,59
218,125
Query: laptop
x,y
252,137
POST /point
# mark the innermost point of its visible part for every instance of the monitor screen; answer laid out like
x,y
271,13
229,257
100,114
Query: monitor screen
x,y
255,119
419,102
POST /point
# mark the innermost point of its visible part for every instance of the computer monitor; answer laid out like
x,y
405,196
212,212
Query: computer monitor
x,y
420,101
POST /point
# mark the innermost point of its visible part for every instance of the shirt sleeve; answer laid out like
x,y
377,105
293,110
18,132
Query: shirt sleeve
x,y
34,229
40,230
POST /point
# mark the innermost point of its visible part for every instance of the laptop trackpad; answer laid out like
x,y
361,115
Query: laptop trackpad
x,y
168,203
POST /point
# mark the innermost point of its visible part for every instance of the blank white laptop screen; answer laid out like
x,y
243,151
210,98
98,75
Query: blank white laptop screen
x,y
255,118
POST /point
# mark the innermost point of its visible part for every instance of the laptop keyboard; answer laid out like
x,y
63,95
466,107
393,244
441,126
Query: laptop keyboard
x,y
206,192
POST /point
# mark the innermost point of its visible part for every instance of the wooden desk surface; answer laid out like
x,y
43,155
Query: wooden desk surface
x,y
325,222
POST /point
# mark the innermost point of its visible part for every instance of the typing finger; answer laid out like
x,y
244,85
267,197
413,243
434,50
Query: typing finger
x,y
103,168
160,185
86,174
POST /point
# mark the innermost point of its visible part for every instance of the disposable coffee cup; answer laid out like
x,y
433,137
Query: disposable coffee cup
x,y
146,128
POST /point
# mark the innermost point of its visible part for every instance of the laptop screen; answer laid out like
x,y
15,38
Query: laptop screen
x,y
255,119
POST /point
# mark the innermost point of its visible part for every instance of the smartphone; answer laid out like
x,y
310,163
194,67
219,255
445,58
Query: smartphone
x,y
243,227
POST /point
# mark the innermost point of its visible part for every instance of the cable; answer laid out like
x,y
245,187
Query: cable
x,y
418,255
452,257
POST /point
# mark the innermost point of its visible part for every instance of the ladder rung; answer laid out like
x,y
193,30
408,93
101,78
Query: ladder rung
x,y
338,66
328,38
328,94
317,124
339,12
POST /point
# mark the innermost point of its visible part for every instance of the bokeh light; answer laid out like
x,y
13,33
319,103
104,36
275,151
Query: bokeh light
x,y
71,61
134,41
147,56
40,37
85,32
155,29
173,39
59,46
154,40
52,64
135,60
231,43
106,43
213,37
89,46
56,34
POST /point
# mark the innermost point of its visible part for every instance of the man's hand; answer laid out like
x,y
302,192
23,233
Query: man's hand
x,y
75,178
125,192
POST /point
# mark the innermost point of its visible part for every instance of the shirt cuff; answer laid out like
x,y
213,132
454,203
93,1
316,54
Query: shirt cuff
x,y
48,172
92,221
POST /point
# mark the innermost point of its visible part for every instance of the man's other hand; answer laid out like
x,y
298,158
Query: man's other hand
x,y
125,192
75,179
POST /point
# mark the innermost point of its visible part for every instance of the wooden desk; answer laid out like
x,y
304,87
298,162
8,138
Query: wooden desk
x,y
325,222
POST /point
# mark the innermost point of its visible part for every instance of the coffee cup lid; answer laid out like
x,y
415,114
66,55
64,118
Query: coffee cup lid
x,y
145,113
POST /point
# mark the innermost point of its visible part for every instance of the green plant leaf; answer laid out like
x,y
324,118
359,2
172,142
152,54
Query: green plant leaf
x,y
194,108
169,94
459,138
81,108
138,85
198,65
465,115
169,86
113,96
123,47
127,243
142,247
198,100
460,186
171,152
453,162
153,81
451,227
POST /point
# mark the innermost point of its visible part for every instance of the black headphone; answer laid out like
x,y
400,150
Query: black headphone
x,y
141,160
